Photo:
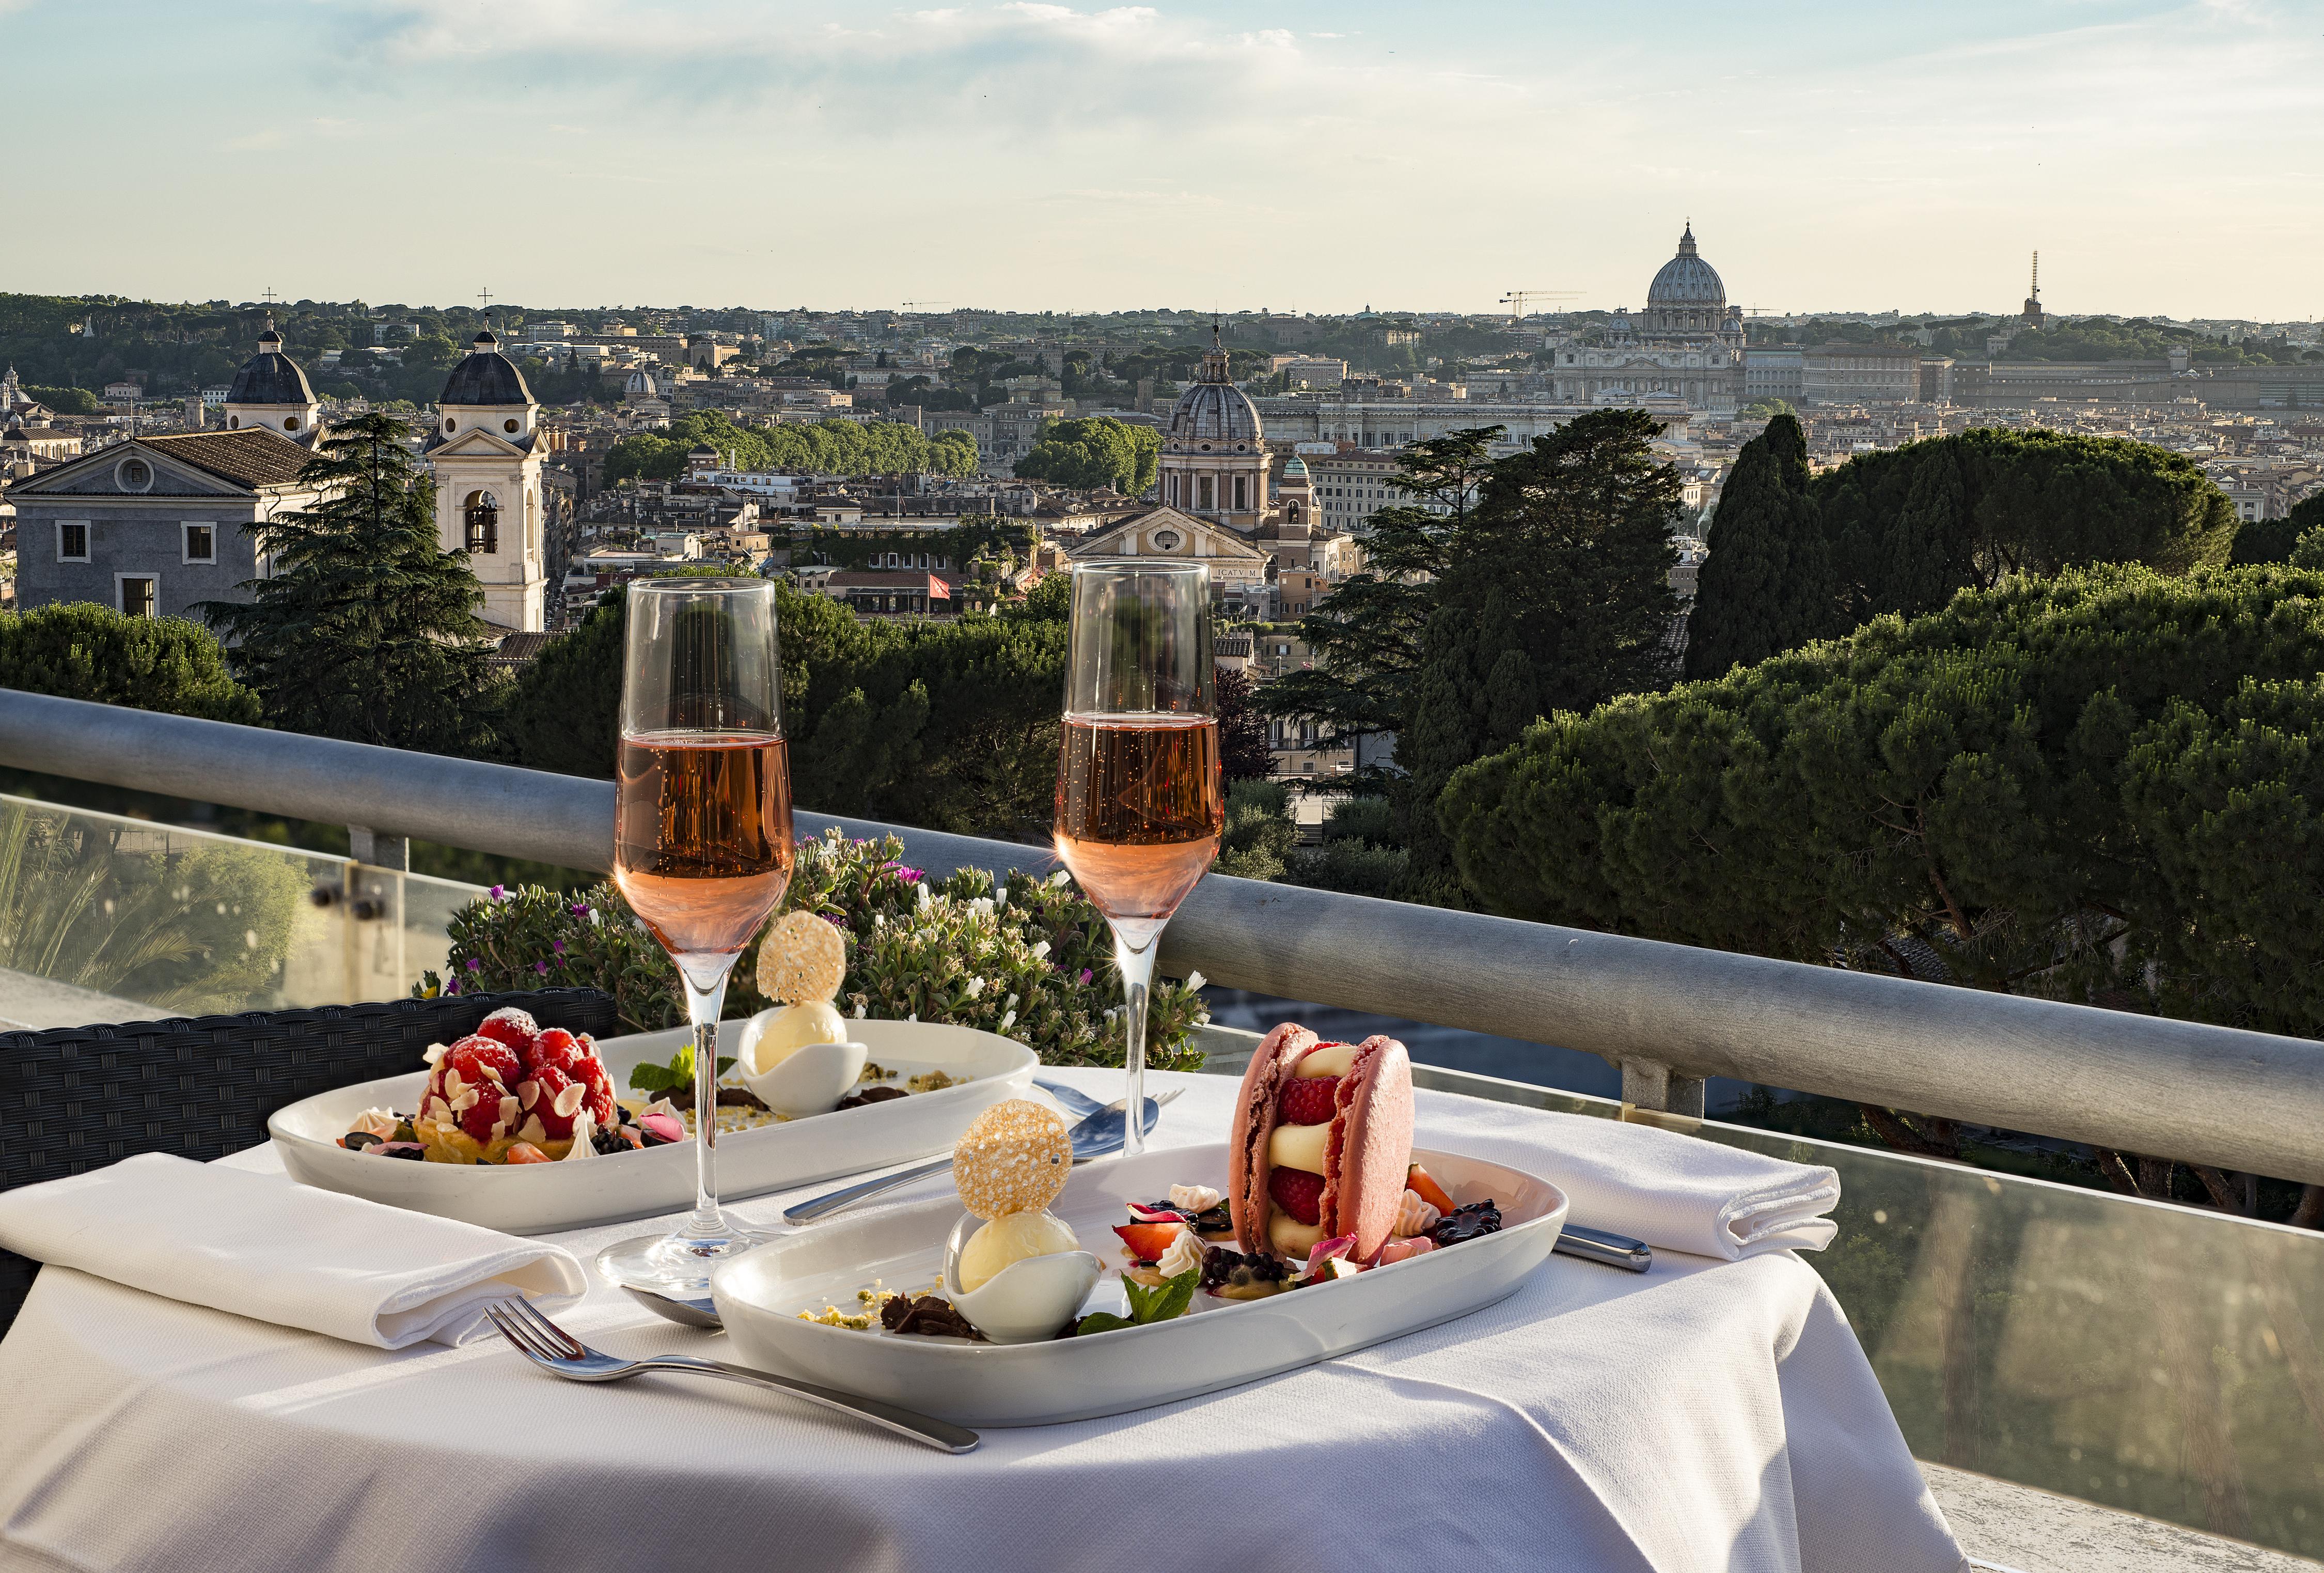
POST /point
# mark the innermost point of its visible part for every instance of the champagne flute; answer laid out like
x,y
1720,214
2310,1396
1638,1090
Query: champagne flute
x,y
702,847
1140,794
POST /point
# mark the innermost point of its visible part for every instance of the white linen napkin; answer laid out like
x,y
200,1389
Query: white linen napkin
x,y
265,1246
1675,1192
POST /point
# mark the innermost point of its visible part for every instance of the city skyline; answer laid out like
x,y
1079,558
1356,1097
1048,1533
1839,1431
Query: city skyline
x,y
1031,157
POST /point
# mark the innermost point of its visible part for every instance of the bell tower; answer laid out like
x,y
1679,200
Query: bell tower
x,y
484,449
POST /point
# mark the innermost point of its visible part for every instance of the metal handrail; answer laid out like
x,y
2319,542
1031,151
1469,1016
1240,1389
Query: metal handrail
x,y
1667,1014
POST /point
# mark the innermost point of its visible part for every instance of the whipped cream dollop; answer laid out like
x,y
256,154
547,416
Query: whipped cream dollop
x,y
1414,1216
1185,1253
1193,1198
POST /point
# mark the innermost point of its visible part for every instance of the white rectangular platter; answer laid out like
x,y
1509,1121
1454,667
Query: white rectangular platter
x,y
540,1198
1219,1343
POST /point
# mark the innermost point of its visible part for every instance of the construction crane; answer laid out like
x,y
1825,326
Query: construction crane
x,y
1515,300
916,305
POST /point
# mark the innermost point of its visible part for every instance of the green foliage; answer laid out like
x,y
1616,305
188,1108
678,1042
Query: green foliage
x,y
2095,787
1092,452
1365,638
1557,596
1050,601
1030,960
1259,834
1766,584
1361,818
948,725
2272,540
203,928
65,401
852,448
81,651
1767,409
1243,750
1354,867
1902,530
2307,551
1910,526
365,629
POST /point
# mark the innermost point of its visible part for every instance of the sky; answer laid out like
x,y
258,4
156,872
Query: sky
x,y
1296,156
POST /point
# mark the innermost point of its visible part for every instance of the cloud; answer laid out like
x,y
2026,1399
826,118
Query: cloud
x,y
256,142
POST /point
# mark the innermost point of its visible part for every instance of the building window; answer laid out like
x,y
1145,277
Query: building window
x,y
483,517
201,543
290,424
72,541
135,594
1203,493
133,474
1241,495
509,426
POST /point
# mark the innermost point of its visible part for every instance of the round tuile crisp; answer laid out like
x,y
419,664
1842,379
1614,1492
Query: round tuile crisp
x,y
802,958
1013,1157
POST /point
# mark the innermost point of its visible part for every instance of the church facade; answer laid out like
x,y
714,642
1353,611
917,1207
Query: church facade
x,y
1685,350
155,525
1221,499
484,449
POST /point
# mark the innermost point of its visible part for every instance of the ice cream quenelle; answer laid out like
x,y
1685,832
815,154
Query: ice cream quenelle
x,y
1321,1143
1009,1238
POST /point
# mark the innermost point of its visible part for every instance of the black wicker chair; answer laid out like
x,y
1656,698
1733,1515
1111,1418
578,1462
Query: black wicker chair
x,y
77,1098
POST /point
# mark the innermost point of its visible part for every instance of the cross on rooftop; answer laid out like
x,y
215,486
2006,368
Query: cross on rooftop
x,y
267,294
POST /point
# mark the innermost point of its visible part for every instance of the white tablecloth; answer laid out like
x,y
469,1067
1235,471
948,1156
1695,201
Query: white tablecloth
x,y
1706,1415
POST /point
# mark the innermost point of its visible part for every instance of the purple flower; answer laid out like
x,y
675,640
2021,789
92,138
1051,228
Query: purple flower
x,y
499,894
453,986
557,946
541,968
1085,974
835,920
475,965
911,875
579,909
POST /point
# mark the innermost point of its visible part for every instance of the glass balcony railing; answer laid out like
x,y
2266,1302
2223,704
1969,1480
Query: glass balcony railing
x,y
2151,1358
2156,1359
106,919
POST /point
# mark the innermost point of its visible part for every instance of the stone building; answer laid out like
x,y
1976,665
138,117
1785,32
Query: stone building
x,y
156,525
485,452
1687,347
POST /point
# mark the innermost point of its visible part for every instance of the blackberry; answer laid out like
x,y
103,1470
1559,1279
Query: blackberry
x,y
1225,1269
608,1140
1467,1223
356,1141
1218,1220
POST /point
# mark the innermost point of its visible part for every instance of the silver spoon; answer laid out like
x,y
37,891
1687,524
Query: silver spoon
x,y
690,1313
1094,1136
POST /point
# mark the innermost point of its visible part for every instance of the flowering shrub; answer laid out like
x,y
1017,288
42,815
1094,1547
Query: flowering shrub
x,y
1029,960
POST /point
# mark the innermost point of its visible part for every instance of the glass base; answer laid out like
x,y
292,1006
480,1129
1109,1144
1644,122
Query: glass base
x,y
675,1264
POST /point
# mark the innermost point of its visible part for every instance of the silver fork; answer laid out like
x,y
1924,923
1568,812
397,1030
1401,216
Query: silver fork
x,y
552,1348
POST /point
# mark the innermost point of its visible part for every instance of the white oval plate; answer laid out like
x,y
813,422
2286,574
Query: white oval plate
x,y
541,1199
1219,1343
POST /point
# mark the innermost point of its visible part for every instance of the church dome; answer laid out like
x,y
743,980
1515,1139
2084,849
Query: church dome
x,y
270,376
1686,280
1214,409
485,376
1214,412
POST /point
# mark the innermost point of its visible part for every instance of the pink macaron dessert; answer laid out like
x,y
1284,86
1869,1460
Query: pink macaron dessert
x,y
1321,1143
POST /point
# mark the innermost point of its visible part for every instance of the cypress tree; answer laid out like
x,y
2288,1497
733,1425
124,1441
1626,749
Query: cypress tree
x,y
1767,583
365,628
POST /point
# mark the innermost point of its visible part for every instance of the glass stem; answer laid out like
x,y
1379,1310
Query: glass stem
x,y
704,1002
1133,955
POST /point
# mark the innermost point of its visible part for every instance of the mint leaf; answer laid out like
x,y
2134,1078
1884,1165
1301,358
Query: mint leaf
x,y
1163,1301
726,1063
1099,1322
652,1079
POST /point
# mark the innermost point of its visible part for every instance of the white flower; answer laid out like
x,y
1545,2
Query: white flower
x,y
596,919
913,1017
1195,981
923,889
1041,951
859,1012
1001,898
878,919
1009,1005
975,987
1061,877
1008,1021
